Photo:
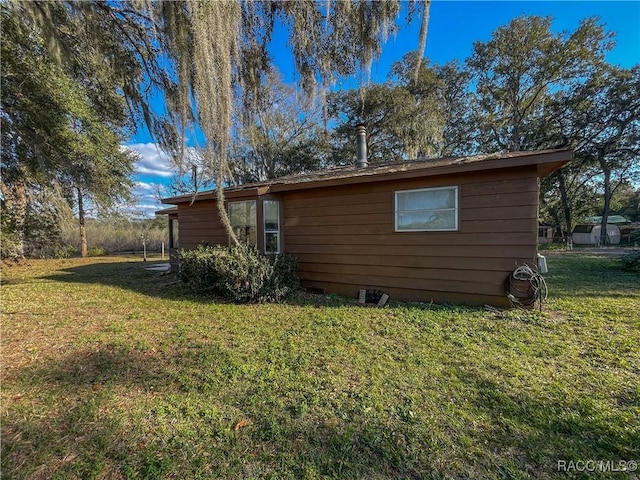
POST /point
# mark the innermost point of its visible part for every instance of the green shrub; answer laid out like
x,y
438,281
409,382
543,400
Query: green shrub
x,y
631,261
10,248
96,252
197,268
239,273
64,251
285,278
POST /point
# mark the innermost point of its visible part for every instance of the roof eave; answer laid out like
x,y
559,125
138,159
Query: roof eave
x,y
546,163
166,211
211,194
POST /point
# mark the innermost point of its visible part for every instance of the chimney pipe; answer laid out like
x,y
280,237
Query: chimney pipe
x,y
361,146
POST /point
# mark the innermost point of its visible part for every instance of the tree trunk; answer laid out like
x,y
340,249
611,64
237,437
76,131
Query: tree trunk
x,y
83,230
222,209
607,199
566,206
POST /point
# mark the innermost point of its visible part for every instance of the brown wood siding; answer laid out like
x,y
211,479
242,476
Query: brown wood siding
x,y
408,295
199,223
344,238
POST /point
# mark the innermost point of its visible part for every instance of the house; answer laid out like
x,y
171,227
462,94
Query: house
x,y
545,233
444,230
586,234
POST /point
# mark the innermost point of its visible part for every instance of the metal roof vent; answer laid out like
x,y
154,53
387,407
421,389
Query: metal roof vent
x,y
361,146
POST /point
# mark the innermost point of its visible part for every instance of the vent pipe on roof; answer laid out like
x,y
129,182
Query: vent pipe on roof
x,y
361,146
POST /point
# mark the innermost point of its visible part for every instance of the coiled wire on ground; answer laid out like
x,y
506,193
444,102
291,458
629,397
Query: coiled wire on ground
x,y
521,296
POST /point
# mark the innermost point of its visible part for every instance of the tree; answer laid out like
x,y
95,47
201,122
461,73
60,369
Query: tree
x,y
405,118
214,53
530,84
569,193
419,116
99,171
608,116
283,135
455,100
441,114
517,71
32,119
377,107
61,128
599,119
626,202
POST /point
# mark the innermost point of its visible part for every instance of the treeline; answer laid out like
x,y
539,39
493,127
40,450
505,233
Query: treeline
x,y
120,235
114,234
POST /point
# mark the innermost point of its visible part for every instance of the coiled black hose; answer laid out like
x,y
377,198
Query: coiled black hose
x,y
525,286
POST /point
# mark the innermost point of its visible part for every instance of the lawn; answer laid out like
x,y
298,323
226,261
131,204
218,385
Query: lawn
x,y
110,371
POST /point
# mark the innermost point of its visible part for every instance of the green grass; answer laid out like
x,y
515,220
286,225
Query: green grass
x,y
110,371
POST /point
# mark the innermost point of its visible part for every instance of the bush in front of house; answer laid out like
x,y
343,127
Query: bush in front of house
x,y
197,268
239,273
631,261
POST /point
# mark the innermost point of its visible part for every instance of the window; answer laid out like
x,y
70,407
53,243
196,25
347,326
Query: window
x,y
242,216
271,210
173,233
428,209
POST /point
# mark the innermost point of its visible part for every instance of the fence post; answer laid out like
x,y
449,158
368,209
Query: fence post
x,y
144,238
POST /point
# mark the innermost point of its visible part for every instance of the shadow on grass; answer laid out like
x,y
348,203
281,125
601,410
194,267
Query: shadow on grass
x,y
133,276
116,412
127,275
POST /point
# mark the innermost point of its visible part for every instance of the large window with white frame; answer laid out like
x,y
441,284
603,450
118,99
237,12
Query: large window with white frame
x,y
242,216
271,215
427,210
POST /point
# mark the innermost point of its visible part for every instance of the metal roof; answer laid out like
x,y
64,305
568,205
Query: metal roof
x,y
610,219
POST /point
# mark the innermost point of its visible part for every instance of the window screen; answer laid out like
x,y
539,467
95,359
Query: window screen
x,y
428,209
271,210
242,216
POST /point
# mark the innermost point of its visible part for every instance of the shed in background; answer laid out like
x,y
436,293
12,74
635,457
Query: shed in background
x,y
545,233
586,234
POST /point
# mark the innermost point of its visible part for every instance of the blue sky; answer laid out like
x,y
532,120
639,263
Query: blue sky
x,y
453,28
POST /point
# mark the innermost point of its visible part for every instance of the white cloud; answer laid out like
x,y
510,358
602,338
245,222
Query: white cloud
x,y
153,161
146,194
153,172
150,210
144,188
